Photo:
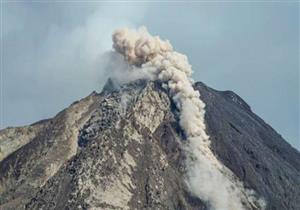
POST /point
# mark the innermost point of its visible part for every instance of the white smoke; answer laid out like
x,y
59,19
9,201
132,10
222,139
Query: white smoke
x,y
121,71
207,177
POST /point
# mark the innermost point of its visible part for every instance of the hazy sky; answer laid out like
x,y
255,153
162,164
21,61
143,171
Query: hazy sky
x,y
52,53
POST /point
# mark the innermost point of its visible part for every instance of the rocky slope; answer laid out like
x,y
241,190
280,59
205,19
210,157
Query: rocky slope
x,y
122,149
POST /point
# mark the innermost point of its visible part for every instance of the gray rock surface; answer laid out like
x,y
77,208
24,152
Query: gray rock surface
x,y
254,151
122,149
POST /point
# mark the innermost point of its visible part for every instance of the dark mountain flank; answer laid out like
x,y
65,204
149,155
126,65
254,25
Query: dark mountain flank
x,y
123,149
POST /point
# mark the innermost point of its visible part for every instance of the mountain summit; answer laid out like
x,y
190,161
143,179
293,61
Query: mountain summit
x,y
159,142
124,149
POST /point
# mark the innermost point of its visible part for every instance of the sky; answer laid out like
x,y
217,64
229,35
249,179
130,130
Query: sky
x,y
54,53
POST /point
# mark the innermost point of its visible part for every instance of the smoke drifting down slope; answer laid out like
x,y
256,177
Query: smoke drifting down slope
x,y
207,177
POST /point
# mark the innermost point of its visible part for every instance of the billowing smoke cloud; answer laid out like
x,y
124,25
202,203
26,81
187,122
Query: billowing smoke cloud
x,y
207,177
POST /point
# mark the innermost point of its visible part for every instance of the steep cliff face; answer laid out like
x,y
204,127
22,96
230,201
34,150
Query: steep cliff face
x,y
123,149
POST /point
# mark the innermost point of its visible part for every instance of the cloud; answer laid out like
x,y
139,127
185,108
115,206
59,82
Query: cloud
x,y
53,54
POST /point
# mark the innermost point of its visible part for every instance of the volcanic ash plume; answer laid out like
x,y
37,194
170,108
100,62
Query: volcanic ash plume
x,y
207,177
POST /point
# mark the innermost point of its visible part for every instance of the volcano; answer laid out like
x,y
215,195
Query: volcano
x,y
123,148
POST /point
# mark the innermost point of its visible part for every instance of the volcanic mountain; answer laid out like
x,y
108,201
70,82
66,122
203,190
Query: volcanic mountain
x,y
123,148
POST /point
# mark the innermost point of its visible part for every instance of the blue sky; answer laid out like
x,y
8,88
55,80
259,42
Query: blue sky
x,y
53,53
